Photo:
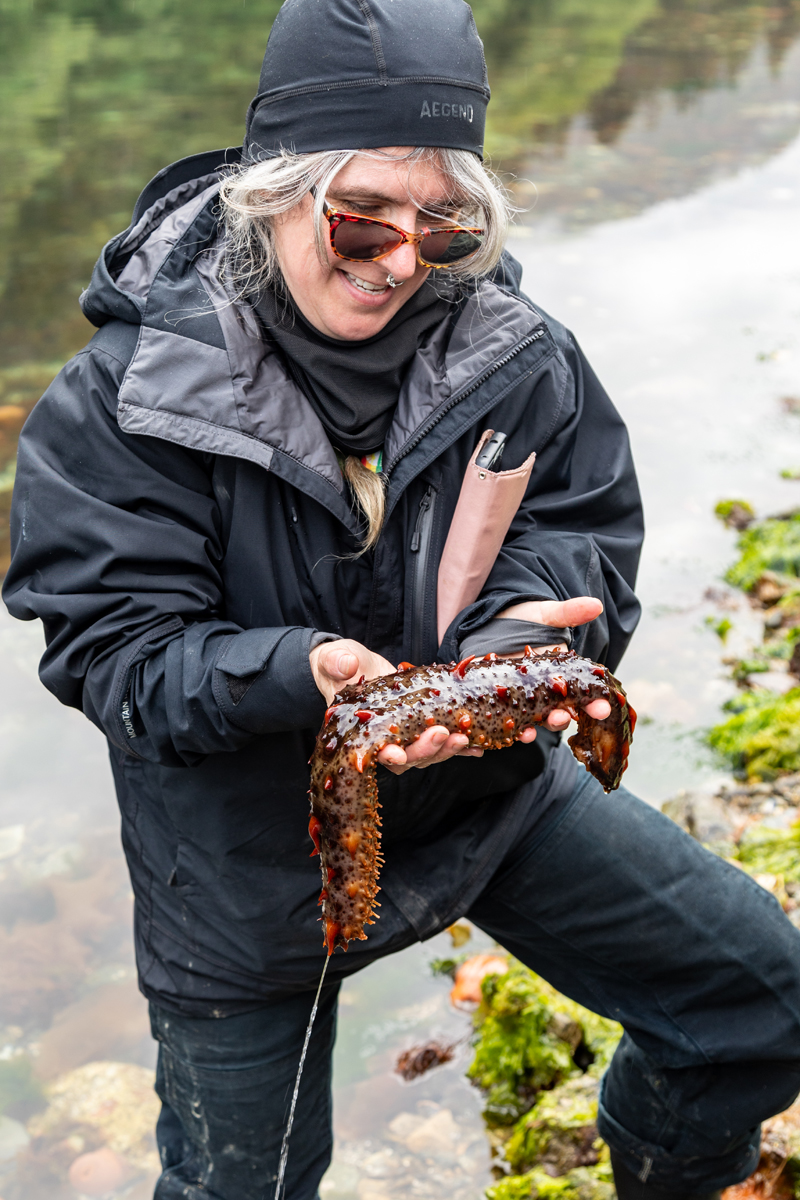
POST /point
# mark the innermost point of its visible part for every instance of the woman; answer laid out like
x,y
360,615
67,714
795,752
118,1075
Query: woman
x,y
235,499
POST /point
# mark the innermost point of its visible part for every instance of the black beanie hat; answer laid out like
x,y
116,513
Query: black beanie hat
x,y
358,74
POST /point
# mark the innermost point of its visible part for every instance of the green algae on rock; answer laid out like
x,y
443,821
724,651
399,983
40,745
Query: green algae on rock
x,y
736,514
584,1183
762,738
766,851
539,1057
560,1131
769,545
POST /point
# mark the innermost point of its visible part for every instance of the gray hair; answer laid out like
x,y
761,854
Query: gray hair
x,y
253,194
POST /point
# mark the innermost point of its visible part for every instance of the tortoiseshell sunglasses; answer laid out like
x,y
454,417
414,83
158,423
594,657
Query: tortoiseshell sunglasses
x,y
366,239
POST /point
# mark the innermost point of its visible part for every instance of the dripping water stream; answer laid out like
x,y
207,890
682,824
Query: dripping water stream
x,y
285,1144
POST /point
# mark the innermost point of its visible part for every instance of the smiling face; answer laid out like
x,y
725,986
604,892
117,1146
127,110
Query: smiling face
x,y
351,300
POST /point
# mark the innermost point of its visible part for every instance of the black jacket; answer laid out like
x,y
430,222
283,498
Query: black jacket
x,y
181,527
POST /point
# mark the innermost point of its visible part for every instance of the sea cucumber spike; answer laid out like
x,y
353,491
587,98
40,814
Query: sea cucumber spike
x,y
331,934
314,826
528,652
461,667
345,821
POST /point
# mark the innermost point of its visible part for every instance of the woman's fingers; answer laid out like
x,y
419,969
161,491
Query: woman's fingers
x,y
560,718
433,746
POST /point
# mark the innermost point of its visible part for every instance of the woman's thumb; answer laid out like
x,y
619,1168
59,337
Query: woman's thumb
x,y
571,612
341,666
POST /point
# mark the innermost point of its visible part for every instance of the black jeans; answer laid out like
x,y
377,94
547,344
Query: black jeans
x,y
619,909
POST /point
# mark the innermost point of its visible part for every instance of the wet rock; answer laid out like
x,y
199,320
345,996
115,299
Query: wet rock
x,y
437,1137
116,1100
109,1022
373,1189
340,1182
13,1138
706,817
563,1026
98,1173
460,934
736,514
773,1178
768,589
559,1133
404,1124
383,1164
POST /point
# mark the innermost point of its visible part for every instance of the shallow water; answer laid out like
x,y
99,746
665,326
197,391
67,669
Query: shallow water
x,y
660,142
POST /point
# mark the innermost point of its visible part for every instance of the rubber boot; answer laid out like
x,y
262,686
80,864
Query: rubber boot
x,y
630,1187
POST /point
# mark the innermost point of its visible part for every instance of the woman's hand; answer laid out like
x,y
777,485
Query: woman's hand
x,y
561,613
335,664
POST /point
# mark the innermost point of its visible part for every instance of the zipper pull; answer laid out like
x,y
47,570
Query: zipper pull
x,y
424,505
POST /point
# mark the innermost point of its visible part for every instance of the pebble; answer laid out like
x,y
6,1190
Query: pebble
x,y
438,1137
98,1173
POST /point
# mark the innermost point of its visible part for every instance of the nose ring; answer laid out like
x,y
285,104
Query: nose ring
x,y
392,282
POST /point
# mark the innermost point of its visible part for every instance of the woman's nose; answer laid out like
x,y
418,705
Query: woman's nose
x,y
402,262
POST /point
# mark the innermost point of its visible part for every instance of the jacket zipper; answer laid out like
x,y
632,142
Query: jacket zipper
x,y
421,547
425,429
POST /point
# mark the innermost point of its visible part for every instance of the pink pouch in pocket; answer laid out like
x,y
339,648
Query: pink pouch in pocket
x,y
486,506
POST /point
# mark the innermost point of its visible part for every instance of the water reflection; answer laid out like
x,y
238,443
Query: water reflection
x,y
608,106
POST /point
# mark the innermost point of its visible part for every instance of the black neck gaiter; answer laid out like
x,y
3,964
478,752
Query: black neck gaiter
x,y
354,386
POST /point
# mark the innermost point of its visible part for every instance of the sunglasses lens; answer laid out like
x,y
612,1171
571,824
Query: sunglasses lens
x,y
441,249
364,240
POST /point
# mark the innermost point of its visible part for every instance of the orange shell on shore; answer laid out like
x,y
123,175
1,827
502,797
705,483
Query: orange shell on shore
x,y
466,992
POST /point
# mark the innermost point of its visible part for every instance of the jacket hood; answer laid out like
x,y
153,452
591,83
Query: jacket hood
x,y
342,74
202,375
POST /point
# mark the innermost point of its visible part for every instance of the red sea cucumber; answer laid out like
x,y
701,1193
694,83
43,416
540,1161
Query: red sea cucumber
x,y
491,700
